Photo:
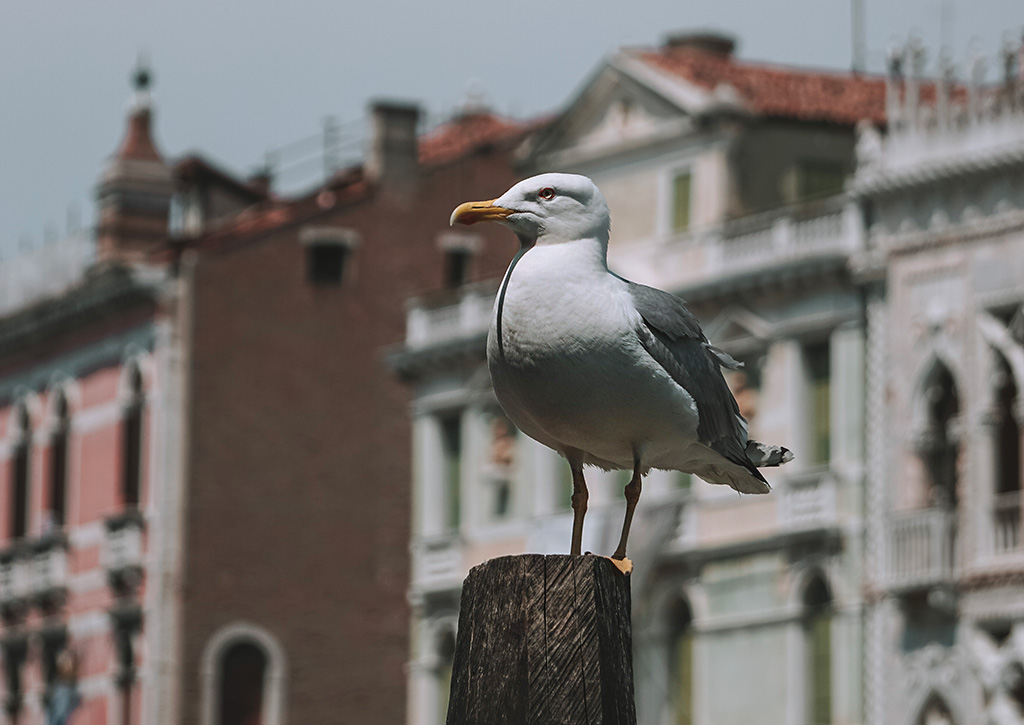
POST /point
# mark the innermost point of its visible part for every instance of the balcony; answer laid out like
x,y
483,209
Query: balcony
x,y
1006,513
808,501
123,555
33,571
920,548
452,315
15,580
790,240
437,564
49,570
782,235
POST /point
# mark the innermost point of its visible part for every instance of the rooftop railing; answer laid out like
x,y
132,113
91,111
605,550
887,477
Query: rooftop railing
x,y
44,271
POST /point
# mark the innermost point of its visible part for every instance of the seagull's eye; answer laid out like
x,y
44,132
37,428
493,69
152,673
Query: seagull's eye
x,y
547,193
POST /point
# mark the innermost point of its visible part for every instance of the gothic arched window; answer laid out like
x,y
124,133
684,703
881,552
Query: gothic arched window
x,y
1008,436
20,471
938,444
1007,461
57,499
131,437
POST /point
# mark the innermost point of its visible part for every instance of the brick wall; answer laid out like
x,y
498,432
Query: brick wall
x,y
298,502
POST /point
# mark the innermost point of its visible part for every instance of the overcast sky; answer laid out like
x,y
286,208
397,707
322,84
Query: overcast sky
x,y
234,79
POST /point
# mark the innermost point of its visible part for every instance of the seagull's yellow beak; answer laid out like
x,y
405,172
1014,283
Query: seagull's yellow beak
x,y
478,211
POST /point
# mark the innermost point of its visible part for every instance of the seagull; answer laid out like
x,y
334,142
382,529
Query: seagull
x,y
607,372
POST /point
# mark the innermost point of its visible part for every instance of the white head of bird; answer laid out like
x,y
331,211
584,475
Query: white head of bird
x,y
545,209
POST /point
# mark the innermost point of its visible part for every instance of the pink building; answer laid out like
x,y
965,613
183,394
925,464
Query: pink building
x,y
204,461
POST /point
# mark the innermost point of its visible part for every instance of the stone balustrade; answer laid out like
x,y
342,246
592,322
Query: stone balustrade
x,y
920,548
808,500
437,563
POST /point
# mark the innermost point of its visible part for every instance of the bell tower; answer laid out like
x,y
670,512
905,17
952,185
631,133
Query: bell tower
x,y
135,189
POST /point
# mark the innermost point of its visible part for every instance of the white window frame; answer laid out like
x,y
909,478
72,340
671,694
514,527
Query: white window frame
x,y
275,679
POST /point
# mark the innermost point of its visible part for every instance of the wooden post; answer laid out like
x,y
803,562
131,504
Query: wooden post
x,y
544,640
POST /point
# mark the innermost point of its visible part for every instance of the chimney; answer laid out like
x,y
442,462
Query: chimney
x,y
261,181
135,189
394,147
712,42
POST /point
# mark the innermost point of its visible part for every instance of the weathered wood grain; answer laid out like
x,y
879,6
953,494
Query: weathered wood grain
x,y
544,640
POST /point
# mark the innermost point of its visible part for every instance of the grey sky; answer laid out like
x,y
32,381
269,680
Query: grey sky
x,y
234,79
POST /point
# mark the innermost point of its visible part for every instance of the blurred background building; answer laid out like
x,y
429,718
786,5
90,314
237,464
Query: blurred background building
x,y
249,448
857,242
204,462
942,269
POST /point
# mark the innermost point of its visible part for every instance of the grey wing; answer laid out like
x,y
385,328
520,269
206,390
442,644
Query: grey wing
x,y
672,336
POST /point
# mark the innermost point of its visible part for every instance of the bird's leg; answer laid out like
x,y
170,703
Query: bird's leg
x,y
632,496
579,509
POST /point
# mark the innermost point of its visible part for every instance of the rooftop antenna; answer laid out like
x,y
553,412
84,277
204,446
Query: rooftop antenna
x,y
857,33
74,219
946,26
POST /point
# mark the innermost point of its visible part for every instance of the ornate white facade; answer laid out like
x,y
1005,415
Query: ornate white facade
x,y
943,274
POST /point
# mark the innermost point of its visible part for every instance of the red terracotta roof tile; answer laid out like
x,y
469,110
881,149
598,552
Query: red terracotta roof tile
x,y
466,133
808,95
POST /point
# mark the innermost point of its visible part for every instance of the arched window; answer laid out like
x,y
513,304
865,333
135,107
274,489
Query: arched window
x,y
243,670
445,661
59,462
1008,437
818,651
680,663
131,437
20,471
1007,501
938,443
244,677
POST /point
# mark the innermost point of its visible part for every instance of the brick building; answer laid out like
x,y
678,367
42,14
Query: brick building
x,y
203,460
